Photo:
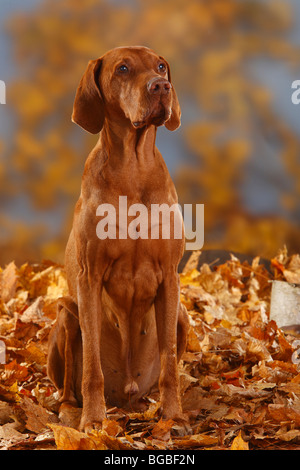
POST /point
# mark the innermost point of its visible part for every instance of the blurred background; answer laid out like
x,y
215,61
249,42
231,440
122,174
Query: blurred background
x,y
237,151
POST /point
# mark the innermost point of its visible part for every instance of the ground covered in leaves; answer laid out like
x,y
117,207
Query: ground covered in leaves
x,y
240,377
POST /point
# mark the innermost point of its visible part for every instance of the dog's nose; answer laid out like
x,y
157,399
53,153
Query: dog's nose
x,y
159,86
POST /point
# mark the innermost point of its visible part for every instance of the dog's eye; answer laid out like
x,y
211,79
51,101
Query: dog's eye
x,y
123,68
162,67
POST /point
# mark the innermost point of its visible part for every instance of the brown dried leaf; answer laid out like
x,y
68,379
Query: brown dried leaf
x,y
197,440
37,416
9,282
293,434
69,415
5,412
25,331
292,273
162,430
9,435
111,427
281,412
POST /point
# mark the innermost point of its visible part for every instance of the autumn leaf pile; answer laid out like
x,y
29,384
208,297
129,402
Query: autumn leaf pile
x,y
240,382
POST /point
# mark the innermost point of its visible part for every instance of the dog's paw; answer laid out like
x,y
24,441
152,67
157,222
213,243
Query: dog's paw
x,y
171,410
178,417
181,425
88,428
89,424
92,417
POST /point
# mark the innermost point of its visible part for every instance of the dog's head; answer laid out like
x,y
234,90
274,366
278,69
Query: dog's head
x,y
127,83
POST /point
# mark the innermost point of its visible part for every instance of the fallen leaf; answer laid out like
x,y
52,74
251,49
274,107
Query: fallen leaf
x,y
25,331
288,435
70,439
238,443
111,427
14,372
281,412
5,412
37,416
197,440
69,415
10,393
162,430
8,282
34,313
9,435
33,353
237,368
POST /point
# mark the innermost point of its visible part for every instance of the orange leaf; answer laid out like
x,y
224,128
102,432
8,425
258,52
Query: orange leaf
x,y
13,372
111,427
238,443
162,429
9,281
197,440
71,439
280,267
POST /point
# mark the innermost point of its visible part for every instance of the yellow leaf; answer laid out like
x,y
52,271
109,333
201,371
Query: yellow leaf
x,y
190,278
238,443
10,393
50,282
193,344
71,439
33,353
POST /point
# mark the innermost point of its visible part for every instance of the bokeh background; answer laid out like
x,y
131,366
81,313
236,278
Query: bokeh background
x,y
237,151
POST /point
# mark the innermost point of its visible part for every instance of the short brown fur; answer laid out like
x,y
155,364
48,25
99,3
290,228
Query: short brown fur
x,y
122,327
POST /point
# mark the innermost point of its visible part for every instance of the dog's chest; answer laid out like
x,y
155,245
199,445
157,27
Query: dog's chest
x,y
131,284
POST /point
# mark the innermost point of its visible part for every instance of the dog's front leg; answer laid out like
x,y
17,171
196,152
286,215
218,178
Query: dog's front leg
x,y
89,307
166,311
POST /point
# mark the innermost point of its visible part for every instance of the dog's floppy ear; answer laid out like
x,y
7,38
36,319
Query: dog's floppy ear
x,y
174,121
88,109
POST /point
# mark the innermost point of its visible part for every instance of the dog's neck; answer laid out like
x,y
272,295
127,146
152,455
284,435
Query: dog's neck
x,y
124,143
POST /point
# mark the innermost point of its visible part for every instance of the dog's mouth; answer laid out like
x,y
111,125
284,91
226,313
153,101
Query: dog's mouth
x,y
156,116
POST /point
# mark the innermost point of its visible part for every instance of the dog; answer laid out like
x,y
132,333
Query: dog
x,y
122,328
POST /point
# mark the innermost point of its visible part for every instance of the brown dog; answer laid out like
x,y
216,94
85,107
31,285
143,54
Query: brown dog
x,y
122,327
